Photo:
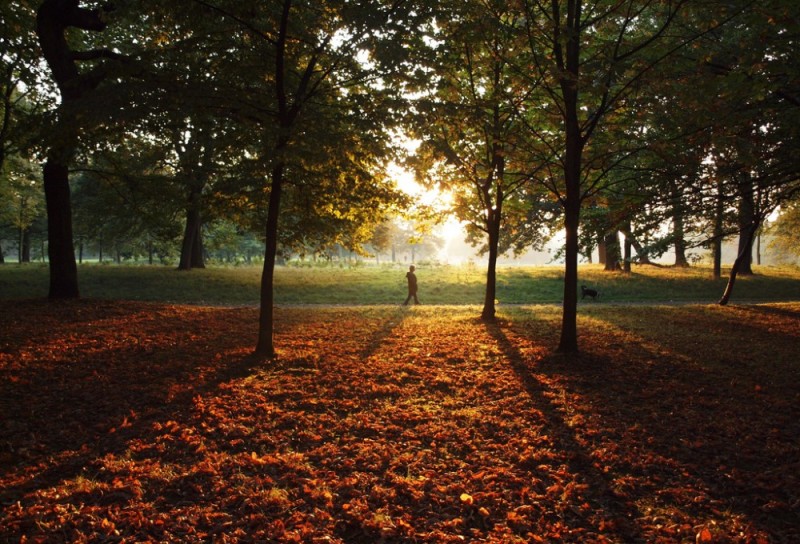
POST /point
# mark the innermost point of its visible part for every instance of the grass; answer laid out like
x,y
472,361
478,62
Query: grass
x,y
369,285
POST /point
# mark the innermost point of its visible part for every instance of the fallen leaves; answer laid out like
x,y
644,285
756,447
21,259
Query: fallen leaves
x,y
145,422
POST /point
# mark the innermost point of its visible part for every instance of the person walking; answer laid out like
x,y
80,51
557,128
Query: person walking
x,y
412,285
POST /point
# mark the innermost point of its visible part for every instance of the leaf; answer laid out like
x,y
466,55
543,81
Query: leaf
x,y
704,536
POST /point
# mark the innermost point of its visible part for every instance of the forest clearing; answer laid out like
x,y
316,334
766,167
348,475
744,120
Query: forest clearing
x,y
137,421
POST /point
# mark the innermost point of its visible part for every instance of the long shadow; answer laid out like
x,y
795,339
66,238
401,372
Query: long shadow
x,y
72,395
97,382
717,421
603,497
771,310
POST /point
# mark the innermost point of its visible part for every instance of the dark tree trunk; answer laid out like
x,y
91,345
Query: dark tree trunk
x,y
53,20
265,346
746,218
678,227
27,244
573,143
641,255
63,268
679,240
611,241
568,343
192,246
749,235
493,222
602,252
628,251
488,313
24,251
719,210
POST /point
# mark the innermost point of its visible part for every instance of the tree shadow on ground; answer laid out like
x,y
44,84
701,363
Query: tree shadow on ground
x,y
618,513
95,374
686,429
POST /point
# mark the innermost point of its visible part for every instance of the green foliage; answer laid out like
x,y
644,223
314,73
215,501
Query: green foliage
x,y
785,232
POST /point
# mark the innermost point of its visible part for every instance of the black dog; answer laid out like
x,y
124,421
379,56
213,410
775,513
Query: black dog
x,y
586,292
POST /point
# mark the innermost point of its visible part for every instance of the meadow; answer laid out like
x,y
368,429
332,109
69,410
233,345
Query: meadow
x,y
370,285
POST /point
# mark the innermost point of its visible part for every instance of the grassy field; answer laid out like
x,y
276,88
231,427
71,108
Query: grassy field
x,y
386,284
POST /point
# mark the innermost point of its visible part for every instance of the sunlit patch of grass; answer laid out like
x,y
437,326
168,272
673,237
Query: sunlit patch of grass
x,y
386,284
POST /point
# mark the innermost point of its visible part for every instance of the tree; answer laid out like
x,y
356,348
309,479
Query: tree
x,y
54,19
468,122
592,60
21,201
785,231
321,65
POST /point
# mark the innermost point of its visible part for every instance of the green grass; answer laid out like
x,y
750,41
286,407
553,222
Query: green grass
x,y
386,284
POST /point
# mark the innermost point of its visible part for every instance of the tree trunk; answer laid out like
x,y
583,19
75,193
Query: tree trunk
x,y
746,217
568,342
626,261
719,210
192,245
63,268
26,246
679,240
573,143
493,221
749,235
641,255
53,19
602,252
611,241
266,323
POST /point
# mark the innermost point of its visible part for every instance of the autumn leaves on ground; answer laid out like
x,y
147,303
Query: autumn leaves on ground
x,y
141,422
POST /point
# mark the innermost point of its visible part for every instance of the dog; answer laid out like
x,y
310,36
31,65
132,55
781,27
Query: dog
x,y
587,292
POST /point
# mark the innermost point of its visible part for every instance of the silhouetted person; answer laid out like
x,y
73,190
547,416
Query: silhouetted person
x,y
412,285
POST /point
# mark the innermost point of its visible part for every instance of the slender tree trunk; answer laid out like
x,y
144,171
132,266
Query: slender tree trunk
x,y
573,143
493,223
20,244
626,261
758,248
678,234
26,246
719,210
568,342
265,346
641,255
747,217
749,234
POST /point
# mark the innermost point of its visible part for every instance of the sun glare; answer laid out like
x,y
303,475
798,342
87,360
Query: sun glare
x,y
451,231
